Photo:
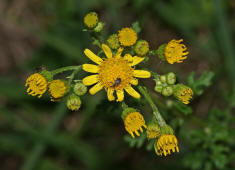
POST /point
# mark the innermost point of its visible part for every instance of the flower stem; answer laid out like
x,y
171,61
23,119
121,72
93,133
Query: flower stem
x,y
60,70
156,112
73,74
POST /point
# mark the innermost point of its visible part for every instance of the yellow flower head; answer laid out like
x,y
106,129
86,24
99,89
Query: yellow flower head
x,y
91,19
114,73
183,93
141,47
37,85
113,41
127,36
165,144
153,130
175,52
57,89
133,122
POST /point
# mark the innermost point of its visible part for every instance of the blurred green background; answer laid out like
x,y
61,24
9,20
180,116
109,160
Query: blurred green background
x,y
41,135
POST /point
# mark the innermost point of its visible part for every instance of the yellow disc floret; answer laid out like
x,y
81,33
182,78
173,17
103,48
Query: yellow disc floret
x,y
115,73
91,19
165,144
127,36
133,122
175,52
57,89
37,85
153,130
183,93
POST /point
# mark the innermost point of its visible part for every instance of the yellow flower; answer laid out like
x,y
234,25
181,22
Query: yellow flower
x,y
127,36
114,73
165,144
57,89
133,122
37,85
113,41
183,93
141,47
91,19
175,52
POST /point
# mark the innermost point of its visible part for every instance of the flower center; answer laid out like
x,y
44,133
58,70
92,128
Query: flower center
x,y
115,73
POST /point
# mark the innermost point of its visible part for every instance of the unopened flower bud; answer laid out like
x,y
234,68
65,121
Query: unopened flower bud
x,y
171,78
153,130
141,47
99,27
79,89
163,78
158,88
91,20
167,91
113,41
73,102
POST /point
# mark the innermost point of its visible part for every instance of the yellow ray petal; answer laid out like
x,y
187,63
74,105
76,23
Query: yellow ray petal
x,y
120,95
95,88
107,51
110,94
119,52
92,56
128,58
134,81
89,80
91,68
132,92
137,60
142,74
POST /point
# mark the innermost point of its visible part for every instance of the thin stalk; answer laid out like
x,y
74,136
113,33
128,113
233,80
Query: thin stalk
x,y
63,69
40,147
156,112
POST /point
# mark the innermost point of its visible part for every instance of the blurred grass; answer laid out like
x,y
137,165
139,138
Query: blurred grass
x,y
93,137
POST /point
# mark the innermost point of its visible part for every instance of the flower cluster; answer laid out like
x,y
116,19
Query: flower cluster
x,y
114,69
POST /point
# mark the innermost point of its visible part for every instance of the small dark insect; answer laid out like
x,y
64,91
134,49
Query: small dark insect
x,y
117,82
40,68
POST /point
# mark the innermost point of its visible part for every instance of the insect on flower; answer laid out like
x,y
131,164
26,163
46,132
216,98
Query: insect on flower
x,y
117,82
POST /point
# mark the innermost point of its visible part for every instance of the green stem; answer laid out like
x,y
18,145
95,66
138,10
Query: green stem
x,y
156,112
60,70
40,147
73,75
124,105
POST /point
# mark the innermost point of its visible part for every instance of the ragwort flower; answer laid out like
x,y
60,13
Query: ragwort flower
x,y
57,89
175,52
165,144
183,93
127,37
115,73
91,20
133,122
37,85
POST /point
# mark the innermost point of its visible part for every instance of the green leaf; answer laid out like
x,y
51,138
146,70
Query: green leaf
x,y
136,27
198,85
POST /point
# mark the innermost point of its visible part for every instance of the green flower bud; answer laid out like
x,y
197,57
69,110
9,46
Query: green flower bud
x,y
127,111
73,102
161,52
141,47
167,91
158,88
91,19
79,89
99,27
166,130
171,78
113,41
153,130
163,78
